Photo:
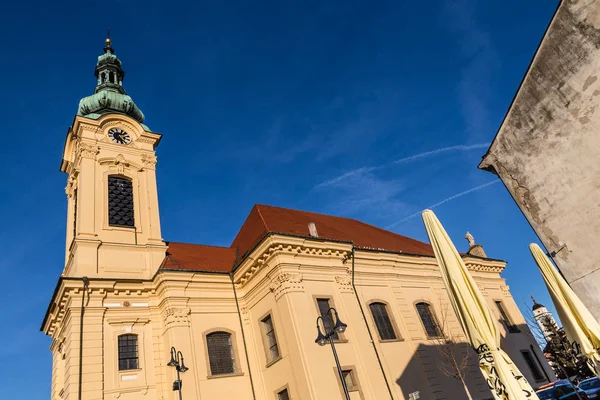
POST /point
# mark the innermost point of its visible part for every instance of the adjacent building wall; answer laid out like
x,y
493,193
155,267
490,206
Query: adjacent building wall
x,y
547,149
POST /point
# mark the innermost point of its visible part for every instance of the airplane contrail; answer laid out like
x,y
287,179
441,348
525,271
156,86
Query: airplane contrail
x,y
453,197
460,147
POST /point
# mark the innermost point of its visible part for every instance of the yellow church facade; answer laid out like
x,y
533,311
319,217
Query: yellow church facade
x,y
243,317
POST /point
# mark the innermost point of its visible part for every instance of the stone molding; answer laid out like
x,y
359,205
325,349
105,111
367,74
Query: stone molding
x,y
145,139
148,160
483,268
88,150
88,127
344,282
276,249
245,315
71,184
286,282
176,316
120,124
59,310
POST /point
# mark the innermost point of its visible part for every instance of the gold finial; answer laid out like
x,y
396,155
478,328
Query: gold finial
x,y
108,42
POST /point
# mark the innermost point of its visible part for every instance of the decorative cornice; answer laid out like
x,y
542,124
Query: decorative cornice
x,y
59,310
176,316
121,124
89,127
286,282
484,268
277,249
146,139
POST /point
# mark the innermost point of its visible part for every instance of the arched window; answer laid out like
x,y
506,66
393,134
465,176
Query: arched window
x,y
102,77
429,322
111,77
120,201
382,321
220,353
128,352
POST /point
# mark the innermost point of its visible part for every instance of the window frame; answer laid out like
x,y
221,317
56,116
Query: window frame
x,y
535,363
283,388
118,175
352,370
431,309
269,361
137,352
237,369
506,320
341,338
391,318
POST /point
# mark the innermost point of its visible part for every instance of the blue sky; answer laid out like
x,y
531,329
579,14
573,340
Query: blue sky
x,y
370,110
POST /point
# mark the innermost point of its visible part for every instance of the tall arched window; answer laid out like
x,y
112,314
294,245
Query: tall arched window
x,y
128,352
220,353
120,201
429,322
111,77
382,321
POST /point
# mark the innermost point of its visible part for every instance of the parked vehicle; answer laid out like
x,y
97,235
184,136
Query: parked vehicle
x,y
561,390
591,387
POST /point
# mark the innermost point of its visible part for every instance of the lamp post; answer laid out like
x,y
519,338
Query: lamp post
x,y
177,362
322,338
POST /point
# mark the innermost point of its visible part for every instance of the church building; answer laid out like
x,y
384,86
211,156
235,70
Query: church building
x,y
136,317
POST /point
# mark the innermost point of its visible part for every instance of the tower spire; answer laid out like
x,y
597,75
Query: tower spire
x,y
109,95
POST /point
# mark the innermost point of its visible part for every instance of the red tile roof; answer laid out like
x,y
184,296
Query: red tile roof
x,y
264,219
198,257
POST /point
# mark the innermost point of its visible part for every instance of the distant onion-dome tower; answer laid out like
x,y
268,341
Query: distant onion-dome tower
x,y
544,318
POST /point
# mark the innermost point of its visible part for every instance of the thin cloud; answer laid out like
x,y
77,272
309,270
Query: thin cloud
x,y
453,197
460,147
358,171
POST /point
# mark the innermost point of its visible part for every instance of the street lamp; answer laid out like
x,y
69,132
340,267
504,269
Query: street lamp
x,y
322,338
177,362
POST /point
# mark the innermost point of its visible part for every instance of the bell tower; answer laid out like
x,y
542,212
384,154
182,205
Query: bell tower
x,y
113,224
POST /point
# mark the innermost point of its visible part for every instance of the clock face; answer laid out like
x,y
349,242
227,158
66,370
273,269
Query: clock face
x,y
119,136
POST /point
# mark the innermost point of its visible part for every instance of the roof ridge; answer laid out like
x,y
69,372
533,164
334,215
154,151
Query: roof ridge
x,y
337,217
386,230
304,211
199,244
261,216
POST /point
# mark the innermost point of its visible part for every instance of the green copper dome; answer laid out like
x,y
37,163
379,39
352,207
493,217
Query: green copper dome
x,y
109,96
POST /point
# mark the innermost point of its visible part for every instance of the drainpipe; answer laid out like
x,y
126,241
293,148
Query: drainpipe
x,y
362,311
237,304
86,283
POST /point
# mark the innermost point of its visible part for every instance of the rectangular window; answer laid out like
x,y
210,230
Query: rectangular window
x,y
505,320
120,201
283,395
220,353
534,367
128,352
270,338
327,317
429,322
